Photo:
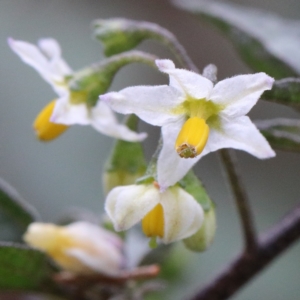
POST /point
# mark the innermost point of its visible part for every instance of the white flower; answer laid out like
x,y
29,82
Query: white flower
x,y
46,59
81,247
196,116
170,215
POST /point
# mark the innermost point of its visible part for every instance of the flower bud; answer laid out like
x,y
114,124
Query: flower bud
x,y
203,238
81,247
118,35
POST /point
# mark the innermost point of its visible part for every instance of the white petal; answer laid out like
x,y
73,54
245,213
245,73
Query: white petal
x,y
32,56
127,205
240,93
104,121
94,247
170,166
66,113
107,261
239,133
51,49
192,84
183,216
87,231
153,104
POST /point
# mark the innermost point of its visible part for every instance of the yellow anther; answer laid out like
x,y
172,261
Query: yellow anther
x,y
44,129
192,138
153,222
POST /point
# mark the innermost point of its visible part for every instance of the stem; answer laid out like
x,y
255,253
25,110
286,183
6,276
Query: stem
x,y
247,265
169,39
229,160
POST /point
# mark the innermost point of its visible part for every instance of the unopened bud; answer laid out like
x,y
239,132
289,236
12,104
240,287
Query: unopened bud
x,y
81,247
118,35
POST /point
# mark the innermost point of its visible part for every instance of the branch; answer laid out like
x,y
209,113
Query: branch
x,y
247,265
241,199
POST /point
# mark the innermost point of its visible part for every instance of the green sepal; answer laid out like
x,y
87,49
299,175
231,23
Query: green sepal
x,y
15,207
24,268
282,134
254,52
127,162
285,91
191,184
87,84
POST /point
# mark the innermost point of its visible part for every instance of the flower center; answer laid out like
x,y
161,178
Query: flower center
x,y
153,222
44,129
192,138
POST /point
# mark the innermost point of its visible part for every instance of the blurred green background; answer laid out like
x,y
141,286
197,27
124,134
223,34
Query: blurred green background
x,y
67,172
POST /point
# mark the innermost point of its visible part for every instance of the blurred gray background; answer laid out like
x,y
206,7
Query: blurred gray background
x,y
67,172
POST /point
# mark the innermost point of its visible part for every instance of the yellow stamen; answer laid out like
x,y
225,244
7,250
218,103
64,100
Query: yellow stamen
x,y
44,129
153,222
192,138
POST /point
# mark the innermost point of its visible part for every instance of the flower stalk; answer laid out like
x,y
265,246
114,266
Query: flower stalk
x,y
233,173
243,268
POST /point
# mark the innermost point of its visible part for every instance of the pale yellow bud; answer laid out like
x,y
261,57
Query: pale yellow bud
x,y
81,247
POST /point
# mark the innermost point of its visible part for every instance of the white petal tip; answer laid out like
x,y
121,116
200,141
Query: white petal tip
x,y
266,80
269,82
142,136
162,188
164,64
11,43
107,98
269,154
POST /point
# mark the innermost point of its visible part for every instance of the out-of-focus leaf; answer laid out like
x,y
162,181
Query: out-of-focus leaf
x,y
24,268
265,41
283,134
13,295
194,186
14,208
285,91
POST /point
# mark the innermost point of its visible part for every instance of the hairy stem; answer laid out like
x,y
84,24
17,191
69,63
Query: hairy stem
x,y
229,160
169,39
247,265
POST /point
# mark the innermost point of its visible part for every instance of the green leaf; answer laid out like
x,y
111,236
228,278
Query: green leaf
x,y
265,41
282,134
194,186
285,91
13,205
23,268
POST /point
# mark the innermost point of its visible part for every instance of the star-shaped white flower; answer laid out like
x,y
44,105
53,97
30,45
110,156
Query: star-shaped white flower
x,y
170,215
80,247
196,116
46,59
